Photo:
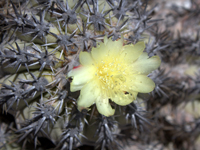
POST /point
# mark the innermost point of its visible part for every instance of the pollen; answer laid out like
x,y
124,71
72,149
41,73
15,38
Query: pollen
x,y
110,73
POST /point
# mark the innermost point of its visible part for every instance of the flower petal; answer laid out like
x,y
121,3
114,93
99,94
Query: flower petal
x,y
107,49
74,88
99,53
142,83
145,65
124,99
85,58
114,47
103,106
132,52
81,76
88,95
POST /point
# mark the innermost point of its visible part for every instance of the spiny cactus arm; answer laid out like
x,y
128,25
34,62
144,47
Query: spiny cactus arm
x,y
68,16
11,94
78,118
135,113
71,136
161,87
46,113
97,17
117,30
105,132
39,28
29,133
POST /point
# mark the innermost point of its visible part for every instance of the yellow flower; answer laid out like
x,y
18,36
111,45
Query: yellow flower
x,y
112,72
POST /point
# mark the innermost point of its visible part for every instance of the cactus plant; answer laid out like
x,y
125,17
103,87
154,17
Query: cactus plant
x,y
44,42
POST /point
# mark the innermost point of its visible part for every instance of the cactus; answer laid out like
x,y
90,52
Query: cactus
x,y
39,49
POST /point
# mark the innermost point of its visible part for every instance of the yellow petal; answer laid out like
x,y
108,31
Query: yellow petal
x,y
81,76
145,65
103,106
99,53
132,52
114,47
74,88
107,49
142,84
88,95
85,58
124,99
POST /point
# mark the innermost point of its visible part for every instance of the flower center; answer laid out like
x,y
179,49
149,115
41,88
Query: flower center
x,y
111,74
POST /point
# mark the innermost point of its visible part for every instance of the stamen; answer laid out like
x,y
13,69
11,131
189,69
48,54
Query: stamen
x,y
110,73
